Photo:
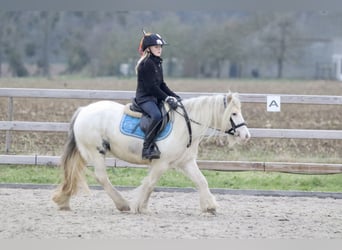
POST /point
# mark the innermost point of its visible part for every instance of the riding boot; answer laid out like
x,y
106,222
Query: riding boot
x,y
150,149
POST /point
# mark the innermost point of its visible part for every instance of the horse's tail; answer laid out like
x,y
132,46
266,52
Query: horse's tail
x,y
73,166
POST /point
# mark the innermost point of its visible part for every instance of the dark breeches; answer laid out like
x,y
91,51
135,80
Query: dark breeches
x,y
152,109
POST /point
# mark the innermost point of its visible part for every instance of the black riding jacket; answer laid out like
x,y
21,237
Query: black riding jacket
x,y
151,85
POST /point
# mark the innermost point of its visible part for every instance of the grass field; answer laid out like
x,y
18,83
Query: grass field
x,y
285,150
216,179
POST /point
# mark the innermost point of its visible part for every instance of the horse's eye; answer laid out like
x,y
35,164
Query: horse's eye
x,y
234,114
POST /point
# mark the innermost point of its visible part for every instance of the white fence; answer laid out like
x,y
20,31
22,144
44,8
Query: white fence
x,y
11,125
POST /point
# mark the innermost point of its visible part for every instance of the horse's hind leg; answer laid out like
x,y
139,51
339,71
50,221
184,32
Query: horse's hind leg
x,y
102,177
207,200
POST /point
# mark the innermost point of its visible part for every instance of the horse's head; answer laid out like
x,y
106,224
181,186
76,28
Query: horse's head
x,y
233,122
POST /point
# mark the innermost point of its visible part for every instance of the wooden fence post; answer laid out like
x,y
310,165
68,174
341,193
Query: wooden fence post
x,y
10,118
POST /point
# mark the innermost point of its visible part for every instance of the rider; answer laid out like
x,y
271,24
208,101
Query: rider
x,y
152,90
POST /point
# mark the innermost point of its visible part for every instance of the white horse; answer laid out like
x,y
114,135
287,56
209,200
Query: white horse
x,y
94,132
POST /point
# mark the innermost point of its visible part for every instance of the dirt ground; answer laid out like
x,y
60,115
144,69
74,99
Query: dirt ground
x,y
30,214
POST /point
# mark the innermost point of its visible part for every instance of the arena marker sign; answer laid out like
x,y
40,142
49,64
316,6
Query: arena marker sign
x,y
273,104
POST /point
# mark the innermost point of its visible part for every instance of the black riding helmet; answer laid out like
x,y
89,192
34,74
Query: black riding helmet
x,y
150,39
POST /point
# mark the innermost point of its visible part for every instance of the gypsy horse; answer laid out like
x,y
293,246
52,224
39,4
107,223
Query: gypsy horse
x,y
94,132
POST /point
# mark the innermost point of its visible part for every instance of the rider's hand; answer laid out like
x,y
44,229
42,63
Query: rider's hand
x,y
172,101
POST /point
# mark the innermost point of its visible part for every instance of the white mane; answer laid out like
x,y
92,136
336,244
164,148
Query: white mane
x,y
213,111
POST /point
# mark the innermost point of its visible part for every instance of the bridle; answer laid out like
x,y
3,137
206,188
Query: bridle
x,y
231,131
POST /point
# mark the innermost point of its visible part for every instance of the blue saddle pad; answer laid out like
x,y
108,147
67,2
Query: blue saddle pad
x,y
130,126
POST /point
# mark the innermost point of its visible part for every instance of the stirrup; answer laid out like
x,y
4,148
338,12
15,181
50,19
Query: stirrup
x,y
155,147
152,152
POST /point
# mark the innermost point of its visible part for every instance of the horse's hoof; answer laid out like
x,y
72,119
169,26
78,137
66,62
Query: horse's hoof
x,y
125,208
65,208
139,210
211,211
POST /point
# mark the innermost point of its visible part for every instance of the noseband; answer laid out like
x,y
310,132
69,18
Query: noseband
x,y
232,130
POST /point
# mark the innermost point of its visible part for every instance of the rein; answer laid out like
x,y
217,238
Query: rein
x,y
231,131
187,120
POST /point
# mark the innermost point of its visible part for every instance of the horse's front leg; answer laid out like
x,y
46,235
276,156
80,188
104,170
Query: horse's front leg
x,y
144,191
207,200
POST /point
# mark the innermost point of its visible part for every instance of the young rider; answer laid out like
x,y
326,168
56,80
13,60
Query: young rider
x,y
151,89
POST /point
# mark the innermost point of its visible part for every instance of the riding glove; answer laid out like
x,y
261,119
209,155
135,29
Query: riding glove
x,y
172,101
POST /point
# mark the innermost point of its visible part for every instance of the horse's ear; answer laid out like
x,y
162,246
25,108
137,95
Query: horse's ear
x,y
229,97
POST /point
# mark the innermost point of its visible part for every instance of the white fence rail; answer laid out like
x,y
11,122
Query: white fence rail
x,y
255,132
11,125
121,95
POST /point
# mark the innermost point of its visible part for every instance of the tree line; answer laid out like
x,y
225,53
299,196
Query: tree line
x,y
98,43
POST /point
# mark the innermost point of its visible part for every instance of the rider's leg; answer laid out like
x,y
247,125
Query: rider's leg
x,y
149,150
